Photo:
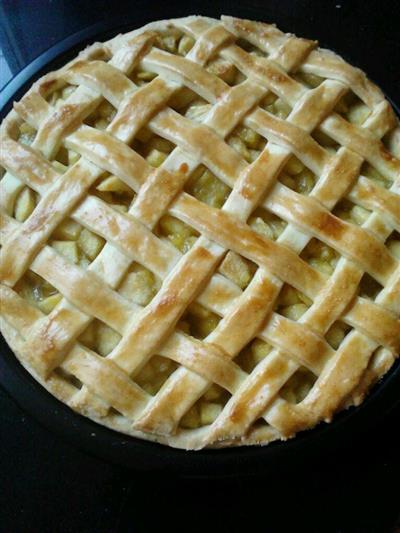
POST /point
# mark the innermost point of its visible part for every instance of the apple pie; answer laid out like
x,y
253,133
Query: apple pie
x,y
200,233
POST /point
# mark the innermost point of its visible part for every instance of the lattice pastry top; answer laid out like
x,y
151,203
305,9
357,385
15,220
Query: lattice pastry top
x,y
200,233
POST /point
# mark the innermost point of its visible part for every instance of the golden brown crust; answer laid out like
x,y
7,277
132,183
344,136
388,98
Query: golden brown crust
x,y
48,345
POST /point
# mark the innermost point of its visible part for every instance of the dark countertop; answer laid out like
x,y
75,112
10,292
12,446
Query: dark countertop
x,y
47,484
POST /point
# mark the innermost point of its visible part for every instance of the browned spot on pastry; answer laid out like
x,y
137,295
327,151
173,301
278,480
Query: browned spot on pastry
x,y
45,86
247,190
183,168
254,185
330,225
279,77
260,241
5,273
258,305
276,370
78,65
379,263
166,302
237,413
202,253
364,191
387,156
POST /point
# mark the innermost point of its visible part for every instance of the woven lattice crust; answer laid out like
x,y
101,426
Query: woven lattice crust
x,y
106,388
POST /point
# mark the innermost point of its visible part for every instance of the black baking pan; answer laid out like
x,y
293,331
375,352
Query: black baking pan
x,y
143,455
